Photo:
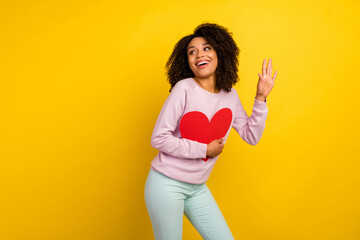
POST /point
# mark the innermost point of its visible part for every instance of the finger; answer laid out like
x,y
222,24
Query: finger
x,y
268,67
270,63
259,75
263,69
275,75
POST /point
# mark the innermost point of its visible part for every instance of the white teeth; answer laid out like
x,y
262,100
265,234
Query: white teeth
x,y
200,63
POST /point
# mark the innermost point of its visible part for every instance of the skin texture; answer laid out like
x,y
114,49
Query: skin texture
x,y
200,50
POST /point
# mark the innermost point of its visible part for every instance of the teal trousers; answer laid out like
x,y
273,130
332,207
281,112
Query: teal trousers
x,y
167,200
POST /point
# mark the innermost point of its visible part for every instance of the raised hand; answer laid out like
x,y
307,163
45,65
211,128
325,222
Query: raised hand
x,y
266,82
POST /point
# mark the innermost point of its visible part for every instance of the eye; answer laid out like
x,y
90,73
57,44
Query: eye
x,y
191,52
207,48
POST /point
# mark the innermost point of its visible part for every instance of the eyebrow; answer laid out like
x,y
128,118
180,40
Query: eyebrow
x,y
203,45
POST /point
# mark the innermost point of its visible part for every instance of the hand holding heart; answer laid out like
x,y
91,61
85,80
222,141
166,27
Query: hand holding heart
x,y
215,147
266,82
196,126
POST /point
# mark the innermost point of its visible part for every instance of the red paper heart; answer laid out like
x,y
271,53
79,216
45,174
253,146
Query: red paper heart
x,y
196,126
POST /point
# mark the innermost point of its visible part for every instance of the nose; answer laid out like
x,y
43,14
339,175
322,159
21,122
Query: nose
x,y
200,54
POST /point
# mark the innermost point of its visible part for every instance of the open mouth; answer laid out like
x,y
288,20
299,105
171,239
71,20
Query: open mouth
x,y
202,64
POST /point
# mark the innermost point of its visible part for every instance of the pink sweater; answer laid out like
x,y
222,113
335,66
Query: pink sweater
x,y
193,117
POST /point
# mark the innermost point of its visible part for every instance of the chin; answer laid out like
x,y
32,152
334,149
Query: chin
x,y
204,76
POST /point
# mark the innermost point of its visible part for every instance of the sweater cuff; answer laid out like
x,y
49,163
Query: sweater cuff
x,y
202,148
259,105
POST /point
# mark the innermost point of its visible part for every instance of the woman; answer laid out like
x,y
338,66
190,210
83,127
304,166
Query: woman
x,y
192,128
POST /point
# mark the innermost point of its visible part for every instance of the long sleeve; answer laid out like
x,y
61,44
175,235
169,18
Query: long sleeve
x,y
251,128
162,137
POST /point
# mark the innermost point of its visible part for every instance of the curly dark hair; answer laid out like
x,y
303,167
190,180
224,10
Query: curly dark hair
x,y
219,37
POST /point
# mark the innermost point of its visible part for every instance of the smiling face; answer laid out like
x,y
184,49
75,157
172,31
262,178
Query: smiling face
x,y
202,58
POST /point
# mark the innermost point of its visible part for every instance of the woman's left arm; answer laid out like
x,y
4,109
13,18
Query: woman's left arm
x,y
251,128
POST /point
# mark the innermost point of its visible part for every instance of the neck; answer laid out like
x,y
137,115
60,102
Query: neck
x,y
207,83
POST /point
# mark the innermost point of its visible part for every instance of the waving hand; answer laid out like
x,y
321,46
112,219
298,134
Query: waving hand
x,y
266,82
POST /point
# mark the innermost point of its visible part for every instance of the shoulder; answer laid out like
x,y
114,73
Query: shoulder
x,y
232,94
184,86
233,90
185,83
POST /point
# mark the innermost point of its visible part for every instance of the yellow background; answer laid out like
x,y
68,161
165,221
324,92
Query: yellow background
x,y
82,84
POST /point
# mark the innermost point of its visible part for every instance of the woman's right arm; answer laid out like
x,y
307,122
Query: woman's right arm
x,y
162,137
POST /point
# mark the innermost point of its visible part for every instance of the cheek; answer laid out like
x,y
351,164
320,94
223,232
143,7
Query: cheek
x,y
216,60
191,58
214,56
191,61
